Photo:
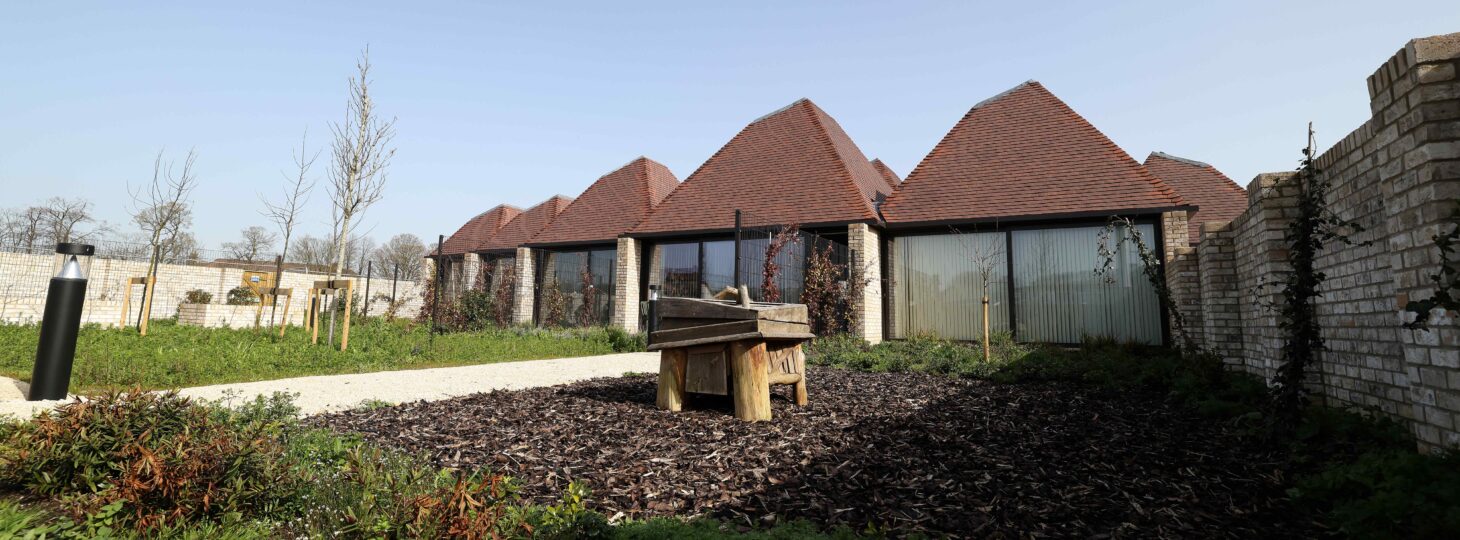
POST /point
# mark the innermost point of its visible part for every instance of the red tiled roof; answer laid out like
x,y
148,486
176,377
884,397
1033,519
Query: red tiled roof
x,y
1024,153
612,205
891,177
1216,197
795,165
479,229
526,225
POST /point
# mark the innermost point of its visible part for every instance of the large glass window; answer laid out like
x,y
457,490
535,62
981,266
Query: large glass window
x,y
679,269
702,269
939,284
1058,297
719,267
576,287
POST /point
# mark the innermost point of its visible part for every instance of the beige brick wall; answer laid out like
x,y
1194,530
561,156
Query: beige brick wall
x,y
1397,176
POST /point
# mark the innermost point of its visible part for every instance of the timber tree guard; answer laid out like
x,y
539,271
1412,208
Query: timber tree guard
x,y
147,283
333,286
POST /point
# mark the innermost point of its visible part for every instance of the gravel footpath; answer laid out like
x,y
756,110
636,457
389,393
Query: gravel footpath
x,y
331,393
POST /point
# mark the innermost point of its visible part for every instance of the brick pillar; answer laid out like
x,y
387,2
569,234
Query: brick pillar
x,y
1221,319
471,267
1183,276
865,266
1272,201
1417,96
522,296
626,286
1174,233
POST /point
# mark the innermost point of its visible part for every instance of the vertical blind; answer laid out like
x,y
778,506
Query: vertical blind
x,y
1057,296
1060,299
563,271
939,282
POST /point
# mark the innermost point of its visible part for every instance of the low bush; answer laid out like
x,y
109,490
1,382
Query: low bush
x,y
198,296
622,341
241,296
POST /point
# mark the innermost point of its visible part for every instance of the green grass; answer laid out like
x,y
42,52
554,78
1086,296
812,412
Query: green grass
x,y
174,356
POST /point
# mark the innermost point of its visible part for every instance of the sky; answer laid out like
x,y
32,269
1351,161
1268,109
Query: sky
x,y
515,102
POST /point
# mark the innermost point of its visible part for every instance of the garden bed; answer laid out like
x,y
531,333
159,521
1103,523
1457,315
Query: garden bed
x,y
908,452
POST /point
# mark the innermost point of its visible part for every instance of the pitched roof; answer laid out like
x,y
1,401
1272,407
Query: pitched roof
x,y
891,177
526,225
1024,153
479,229
612,205
794,165
1216,197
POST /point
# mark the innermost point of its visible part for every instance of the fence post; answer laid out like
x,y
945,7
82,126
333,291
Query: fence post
x,y
737,250
365,311
394,276
436,288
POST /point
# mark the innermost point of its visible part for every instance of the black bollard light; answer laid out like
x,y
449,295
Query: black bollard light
x,y
57,348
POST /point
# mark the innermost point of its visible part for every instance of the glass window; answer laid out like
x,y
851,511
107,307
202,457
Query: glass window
x,y
938,282
582,282
679,269
790,263
1059,298
719,269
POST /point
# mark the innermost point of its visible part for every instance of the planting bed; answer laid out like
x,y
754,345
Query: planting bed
x,y
910,452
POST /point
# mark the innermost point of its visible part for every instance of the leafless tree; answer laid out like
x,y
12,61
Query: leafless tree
x,y
360,154
310,250
23,228
254,242
403,251
285,214
986,256
162,209
63,218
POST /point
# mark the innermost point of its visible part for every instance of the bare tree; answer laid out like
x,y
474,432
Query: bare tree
x,y
285,214
402,251
360,154
162,210
310,250
254,242
23,228
63,217
986,256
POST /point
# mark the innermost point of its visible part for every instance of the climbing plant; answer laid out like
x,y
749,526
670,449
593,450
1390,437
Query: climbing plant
x,y
1446,279
1123,229
770,272
588,312
1313,227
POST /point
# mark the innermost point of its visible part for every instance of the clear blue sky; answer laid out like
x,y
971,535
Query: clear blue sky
x,y
517,102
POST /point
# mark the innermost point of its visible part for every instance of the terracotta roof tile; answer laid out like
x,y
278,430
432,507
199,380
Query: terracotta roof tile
x,y
479,229
891,177
612,205
1216,197
795,165
526,225
1024,153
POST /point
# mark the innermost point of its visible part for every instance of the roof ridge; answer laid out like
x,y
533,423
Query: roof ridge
x,y
1188,161
1001,95
842,161
1159,185
777,111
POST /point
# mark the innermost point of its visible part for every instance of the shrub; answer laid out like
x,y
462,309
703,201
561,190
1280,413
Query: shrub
x,y
242,296
623,342
477,311
198,296
158,457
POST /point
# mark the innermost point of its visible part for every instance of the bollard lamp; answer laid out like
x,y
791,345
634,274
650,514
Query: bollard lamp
x,y
61,322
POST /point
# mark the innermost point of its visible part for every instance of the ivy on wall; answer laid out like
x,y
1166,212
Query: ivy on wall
x,y
1445,280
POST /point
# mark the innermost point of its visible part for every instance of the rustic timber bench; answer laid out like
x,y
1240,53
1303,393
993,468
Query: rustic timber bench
x,y
729,348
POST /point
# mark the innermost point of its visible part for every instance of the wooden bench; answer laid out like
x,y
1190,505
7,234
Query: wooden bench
x,y
730,348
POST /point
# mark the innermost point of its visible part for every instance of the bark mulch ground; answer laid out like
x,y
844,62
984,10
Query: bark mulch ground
x,y
913,453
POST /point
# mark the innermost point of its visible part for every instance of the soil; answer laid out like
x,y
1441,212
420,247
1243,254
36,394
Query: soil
x,y
907,453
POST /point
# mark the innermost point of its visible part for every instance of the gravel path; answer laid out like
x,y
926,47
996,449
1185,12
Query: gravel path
x,y
330,393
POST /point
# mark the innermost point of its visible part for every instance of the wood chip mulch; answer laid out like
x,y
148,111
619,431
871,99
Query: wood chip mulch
x,y
913,453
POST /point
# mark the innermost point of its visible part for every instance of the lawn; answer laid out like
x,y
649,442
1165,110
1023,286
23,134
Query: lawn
x,y
175,356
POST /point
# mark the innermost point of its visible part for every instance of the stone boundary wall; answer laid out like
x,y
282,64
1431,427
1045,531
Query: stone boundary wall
x,y
226,316
24,279
1398,176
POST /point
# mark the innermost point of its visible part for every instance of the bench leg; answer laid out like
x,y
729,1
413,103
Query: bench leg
x,y
752,389
800,357
671,379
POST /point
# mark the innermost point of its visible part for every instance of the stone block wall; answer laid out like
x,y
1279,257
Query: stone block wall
x,y
1397,177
